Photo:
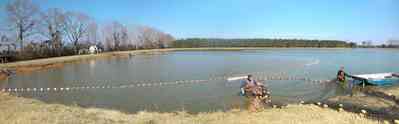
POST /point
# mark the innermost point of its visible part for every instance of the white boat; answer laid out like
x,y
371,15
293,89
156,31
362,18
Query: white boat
x,y
377,79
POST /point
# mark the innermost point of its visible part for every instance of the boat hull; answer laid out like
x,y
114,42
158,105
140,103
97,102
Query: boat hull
x,y
376,79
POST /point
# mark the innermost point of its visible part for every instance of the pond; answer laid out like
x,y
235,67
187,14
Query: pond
x,y
148,82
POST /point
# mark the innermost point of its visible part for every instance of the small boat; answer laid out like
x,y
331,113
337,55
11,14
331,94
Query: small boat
x,y
376,79
236,78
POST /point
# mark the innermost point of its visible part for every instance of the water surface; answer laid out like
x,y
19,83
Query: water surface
x,y
317,64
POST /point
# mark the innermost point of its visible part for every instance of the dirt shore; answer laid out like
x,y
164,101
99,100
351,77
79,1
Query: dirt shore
x,y
376,101
16,110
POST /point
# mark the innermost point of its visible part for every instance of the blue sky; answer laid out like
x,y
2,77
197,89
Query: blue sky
x,y
353,20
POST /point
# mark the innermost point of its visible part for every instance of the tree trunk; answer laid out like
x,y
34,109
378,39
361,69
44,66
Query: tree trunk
x,y
21,39
75,45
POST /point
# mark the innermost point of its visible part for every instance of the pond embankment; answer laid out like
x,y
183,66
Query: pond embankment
x,y
22,110
374,101
58,62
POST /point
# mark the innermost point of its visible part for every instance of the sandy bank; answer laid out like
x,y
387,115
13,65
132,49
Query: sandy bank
x,y
15,110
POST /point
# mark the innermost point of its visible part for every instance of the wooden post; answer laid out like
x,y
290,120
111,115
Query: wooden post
x,y
364,83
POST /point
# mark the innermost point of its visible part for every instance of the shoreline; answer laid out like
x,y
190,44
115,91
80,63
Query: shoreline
x,y
25,110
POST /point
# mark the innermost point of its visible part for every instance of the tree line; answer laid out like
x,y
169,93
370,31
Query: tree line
x,y
30,32
215,42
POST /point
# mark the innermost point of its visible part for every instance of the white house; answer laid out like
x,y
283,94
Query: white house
x,y
93,49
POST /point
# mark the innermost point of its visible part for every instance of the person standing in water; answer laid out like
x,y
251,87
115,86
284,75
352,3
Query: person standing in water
x,y
249,86
256,92
341,77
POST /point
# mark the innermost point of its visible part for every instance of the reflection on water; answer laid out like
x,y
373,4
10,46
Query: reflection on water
x,y
318,64
92,64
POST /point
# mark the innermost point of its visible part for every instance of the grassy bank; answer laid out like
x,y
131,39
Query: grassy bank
x,y
14,110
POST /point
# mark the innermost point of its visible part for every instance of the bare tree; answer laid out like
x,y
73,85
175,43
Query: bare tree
x,y
5,41
76,27
116,34
147,36
53,25
22,16
153,38
93,32
166,40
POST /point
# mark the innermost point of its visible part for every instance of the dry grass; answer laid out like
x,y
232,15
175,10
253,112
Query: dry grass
x,y
393,90
15,110
366,101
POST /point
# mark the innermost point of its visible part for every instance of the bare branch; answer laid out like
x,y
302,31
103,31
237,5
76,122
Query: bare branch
x,y
76,27
22,17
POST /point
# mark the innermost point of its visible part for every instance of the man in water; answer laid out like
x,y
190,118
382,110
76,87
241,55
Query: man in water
x,y
256,92
341,75
249,86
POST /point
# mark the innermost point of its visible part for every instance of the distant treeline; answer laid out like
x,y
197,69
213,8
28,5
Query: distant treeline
x,y
205,42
